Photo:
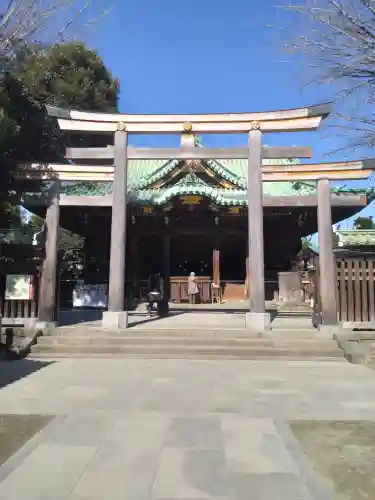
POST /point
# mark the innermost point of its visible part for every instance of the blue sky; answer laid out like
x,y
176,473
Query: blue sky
x,y
207,56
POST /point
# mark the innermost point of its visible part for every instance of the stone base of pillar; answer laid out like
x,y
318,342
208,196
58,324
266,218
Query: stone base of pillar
x,y
328,330
115,320
46,327
258,321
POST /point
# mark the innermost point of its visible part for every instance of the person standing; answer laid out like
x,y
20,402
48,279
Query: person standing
x,y
193,289
155,293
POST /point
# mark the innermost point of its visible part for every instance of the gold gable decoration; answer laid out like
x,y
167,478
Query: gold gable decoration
x,y
191,200
234,210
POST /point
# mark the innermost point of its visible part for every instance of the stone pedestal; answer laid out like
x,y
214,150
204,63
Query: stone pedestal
x,y
290,287
258,321
46,327
328,331
115,320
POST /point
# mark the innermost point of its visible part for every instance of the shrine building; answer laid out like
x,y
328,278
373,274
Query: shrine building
x,y
189,213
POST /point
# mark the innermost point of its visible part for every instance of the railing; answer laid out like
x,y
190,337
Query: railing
x,y
16,311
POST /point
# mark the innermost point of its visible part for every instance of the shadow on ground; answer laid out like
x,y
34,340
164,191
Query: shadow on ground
x,y
13,371
16,430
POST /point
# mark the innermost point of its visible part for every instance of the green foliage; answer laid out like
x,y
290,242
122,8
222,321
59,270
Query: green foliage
x,y
305,244
70,246
364,223
66,75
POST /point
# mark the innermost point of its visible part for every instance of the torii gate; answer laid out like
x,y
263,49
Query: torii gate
x,y
252,124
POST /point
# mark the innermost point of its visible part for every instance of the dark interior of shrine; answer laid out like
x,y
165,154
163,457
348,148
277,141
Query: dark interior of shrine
x,y
193,253
191,237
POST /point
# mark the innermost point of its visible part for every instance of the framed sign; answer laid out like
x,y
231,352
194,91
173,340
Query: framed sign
x,y
19,287
90,296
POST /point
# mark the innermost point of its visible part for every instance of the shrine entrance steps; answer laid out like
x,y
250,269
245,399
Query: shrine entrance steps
x,y
93,341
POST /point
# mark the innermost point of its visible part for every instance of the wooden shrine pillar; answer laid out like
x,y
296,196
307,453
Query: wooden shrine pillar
x,y
247,278
134,263
49,275
327,266
167,264
116,316
216,265
215,284
256,318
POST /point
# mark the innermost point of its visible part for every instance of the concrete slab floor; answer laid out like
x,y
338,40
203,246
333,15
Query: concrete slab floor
x,y
175,429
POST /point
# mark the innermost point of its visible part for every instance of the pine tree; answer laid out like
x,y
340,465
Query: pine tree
x,y
67,75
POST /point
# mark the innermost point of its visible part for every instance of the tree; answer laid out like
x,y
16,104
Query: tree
x,y
305,244
363,223
68,75
53,21
70,246
337,42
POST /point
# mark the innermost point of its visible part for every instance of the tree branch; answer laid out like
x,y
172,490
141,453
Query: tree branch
x,y
337,45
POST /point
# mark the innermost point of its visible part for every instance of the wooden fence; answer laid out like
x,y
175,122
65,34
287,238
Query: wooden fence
x,y
15,312
356,289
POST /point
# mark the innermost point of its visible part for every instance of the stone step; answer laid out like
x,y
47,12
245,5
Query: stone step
x,y
195,356
151,332
83,331
240,352
149,340
157,340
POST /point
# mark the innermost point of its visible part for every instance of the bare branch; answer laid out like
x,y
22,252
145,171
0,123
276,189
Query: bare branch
x,y
336,43
25,21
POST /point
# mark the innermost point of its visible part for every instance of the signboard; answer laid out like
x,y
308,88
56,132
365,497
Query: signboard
x,y
19,287
90,296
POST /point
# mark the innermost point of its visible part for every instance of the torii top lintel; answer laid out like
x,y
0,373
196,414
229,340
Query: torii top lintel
x,y
288,120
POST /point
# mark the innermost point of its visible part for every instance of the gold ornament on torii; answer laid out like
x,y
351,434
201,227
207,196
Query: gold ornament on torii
x,y
121,127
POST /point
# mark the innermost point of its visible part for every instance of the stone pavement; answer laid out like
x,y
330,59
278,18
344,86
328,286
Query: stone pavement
x,y
228,316
174,429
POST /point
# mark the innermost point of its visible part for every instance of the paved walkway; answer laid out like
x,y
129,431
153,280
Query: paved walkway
x,y
227,316
166,430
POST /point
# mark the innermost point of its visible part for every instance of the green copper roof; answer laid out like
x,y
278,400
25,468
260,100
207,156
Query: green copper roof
x,y
186,187
144,173
139,171
355,237
234,171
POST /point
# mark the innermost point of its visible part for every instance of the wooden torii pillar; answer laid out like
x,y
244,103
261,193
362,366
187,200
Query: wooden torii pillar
x,y
117,315
327,265
48,277
257,316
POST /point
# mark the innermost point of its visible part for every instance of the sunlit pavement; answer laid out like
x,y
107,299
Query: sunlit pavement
x,y
174,429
